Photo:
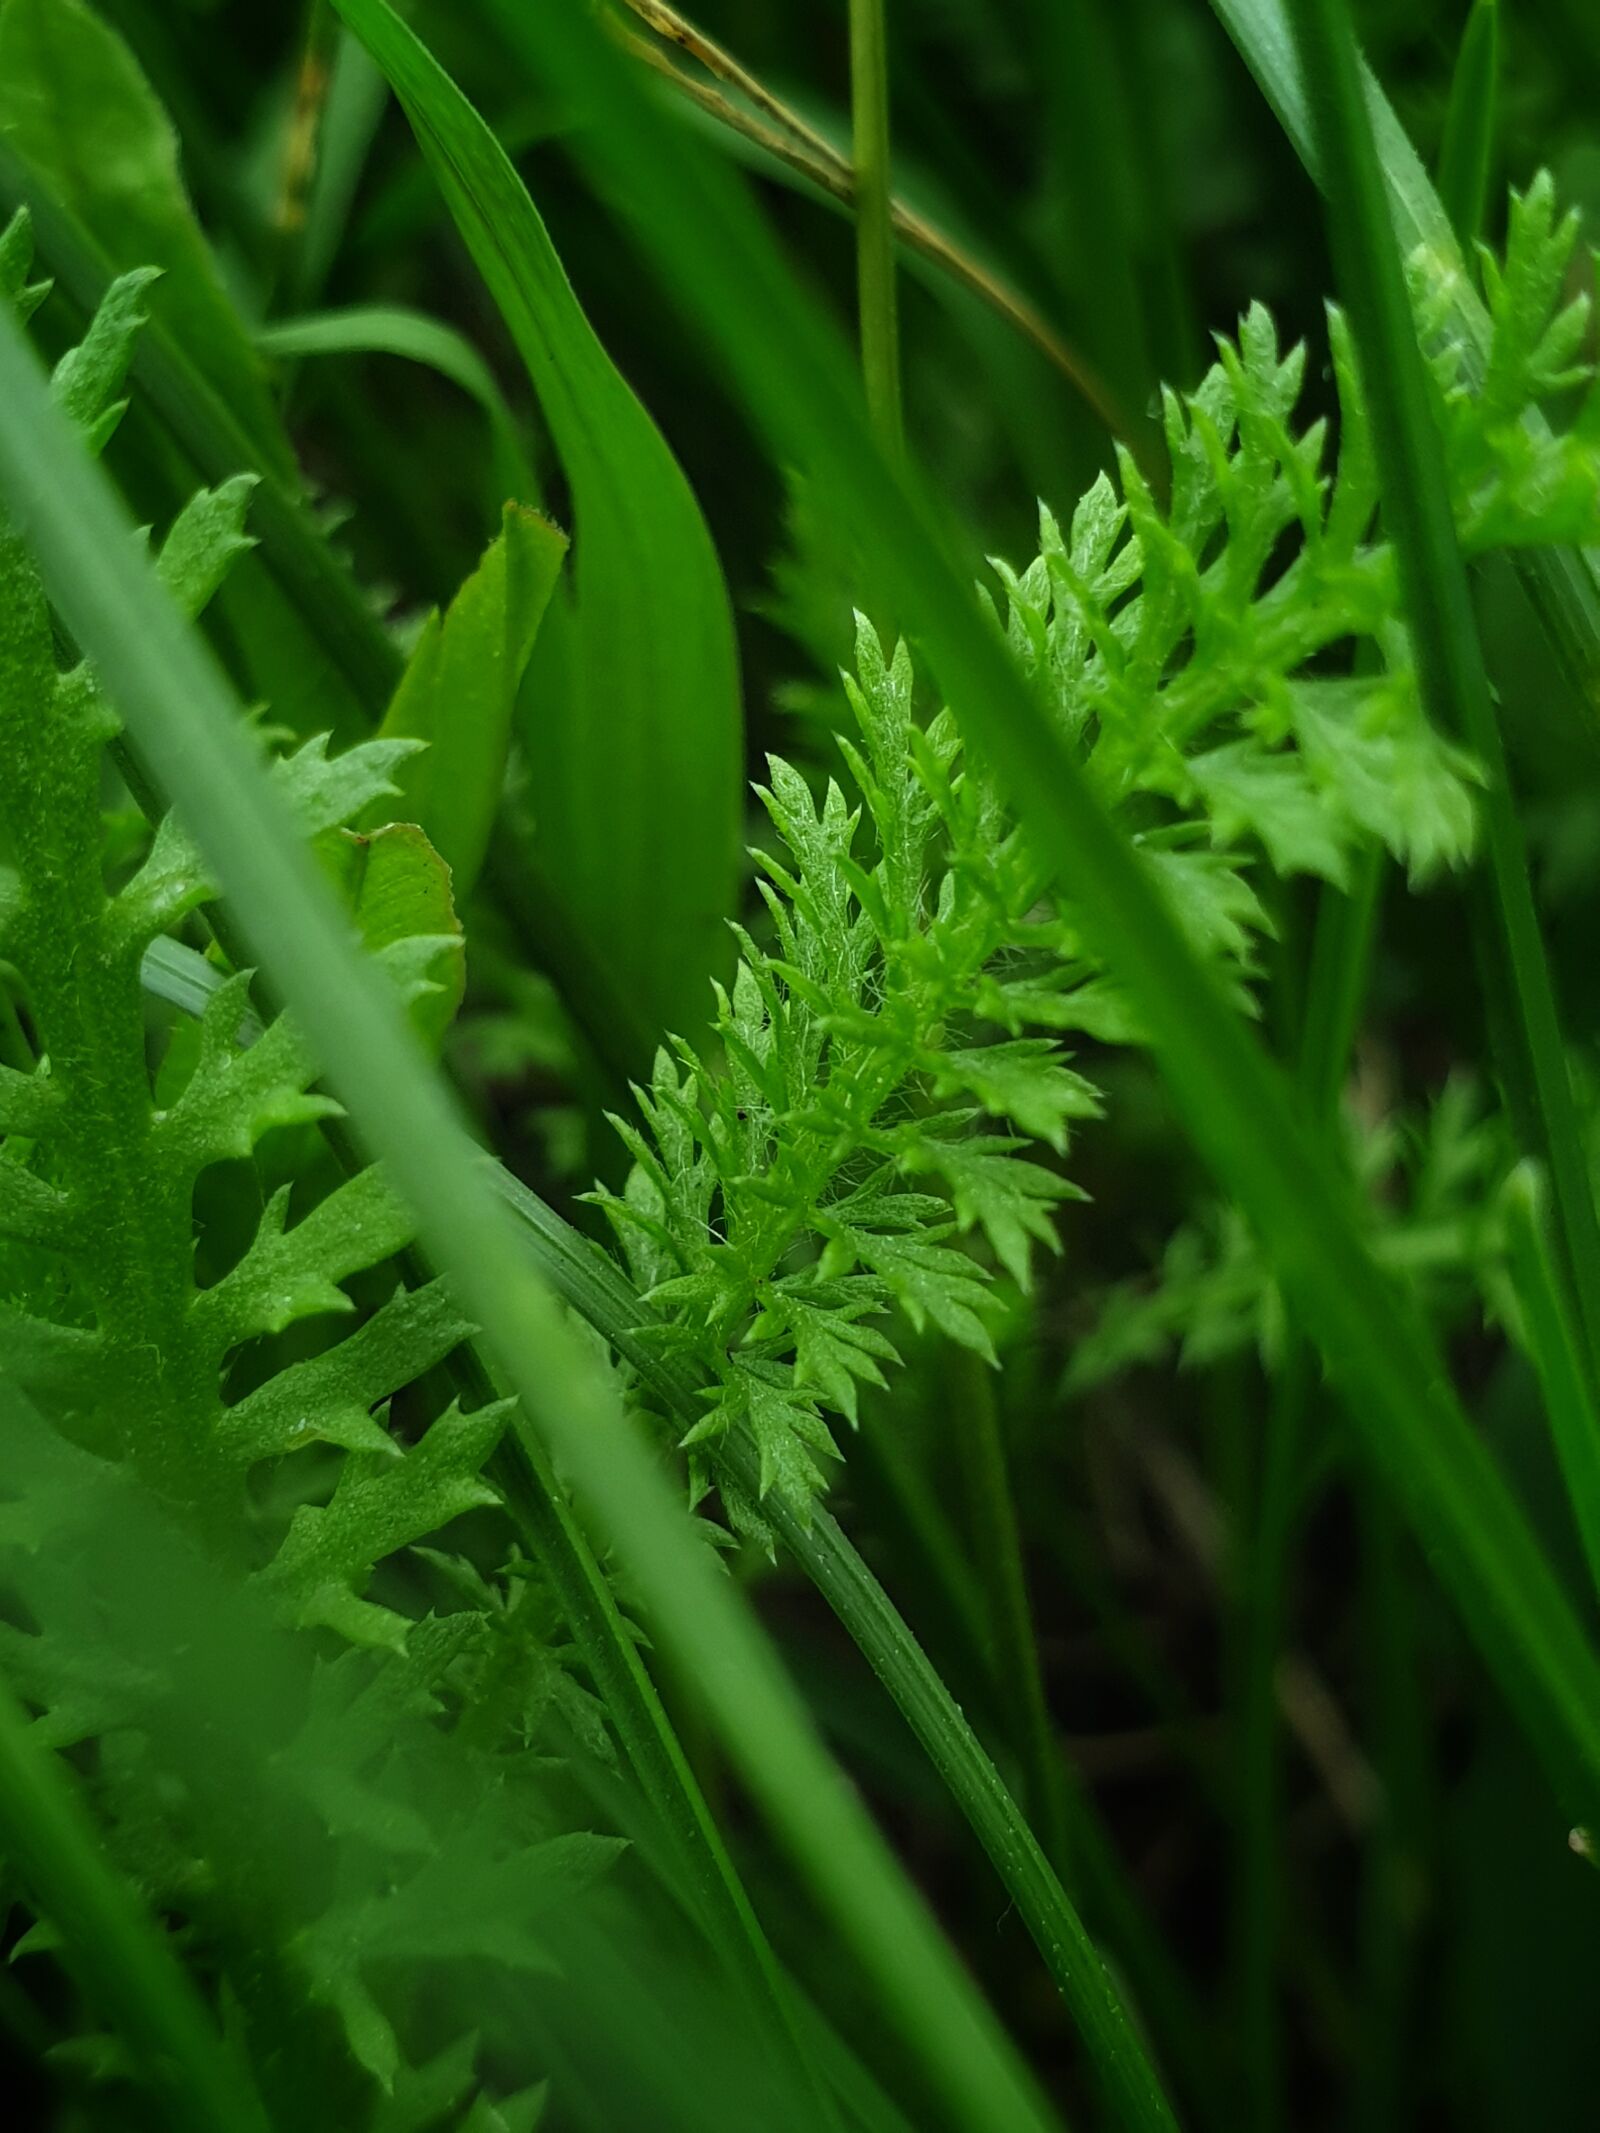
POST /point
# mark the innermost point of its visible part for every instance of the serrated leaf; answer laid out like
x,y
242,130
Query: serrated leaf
x,y
994,1187
1023,1080
378,1506
330,1397
1246,790
289,1274
204,541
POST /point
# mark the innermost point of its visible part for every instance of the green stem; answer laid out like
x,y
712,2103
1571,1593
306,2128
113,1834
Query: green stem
x,y
874,202
1557,1355
997,1552
1340,965
1466,155
598,1290
122,1960
1451,671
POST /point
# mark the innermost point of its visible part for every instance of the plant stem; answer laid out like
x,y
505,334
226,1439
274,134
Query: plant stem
x,y
1466,156
1557,1355
600,1292
997,1553
875,271
1451,671
120,1956
799,148
1340,965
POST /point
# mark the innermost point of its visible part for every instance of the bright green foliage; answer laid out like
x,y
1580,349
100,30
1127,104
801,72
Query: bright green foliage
x,y
113,1330
631,721
1519,482
779,1209
355,1843
326,1838
461,684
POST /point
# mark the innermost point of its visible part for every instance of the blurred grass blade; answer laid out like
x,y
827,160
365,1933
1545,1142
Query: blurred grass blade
x,y
1552,1342
1450,666
793,374
357,96
635,759
80,113
397,330
1561,582
1466,155
186,721
460,688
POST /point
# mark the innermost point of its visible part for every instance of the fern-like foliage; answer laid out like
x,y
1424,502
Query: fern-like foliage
x,y
103,1178
374,1842
1234,667
1430,1186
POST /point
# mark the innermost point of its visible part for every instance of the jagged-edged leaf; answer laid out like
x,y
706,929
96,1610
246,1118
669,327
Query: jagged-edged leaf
x,y
833,1349
790,1434
379,1505
330,1397
327,791
1246,791
204,541
994,1187
235,1096
88,378
463,1904
293,1273
928,1279
1024,1080
1371,750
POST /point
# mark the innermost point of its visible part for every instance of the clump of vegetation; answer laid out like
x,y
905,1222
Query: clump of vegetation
x,y
452,1232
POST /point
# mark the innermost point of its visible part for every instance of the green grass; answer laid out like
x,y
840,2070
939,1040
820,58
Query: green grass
x,y
946,1476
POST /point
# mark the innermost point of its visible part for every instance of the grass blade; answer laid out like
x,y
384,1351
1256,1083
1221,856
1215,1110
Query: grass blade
x,y
1466,155
1561,582
1451,671
1553,1342
183,715
794,376
634,753
397,330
